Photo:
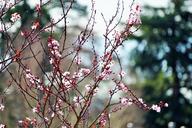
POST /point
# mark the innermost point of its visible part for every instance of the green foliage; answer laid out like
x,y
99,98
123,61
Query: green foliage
x,y
165,58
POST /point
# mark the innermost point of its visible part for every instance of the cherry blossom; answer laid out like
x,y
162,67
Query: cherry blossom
x,y
122,87
126,101
78,60
55,55
78,100
46,119
15,16
9,4
36,109
103,119
35,25
2,107
2,126
88,87
134,18
84,71
141,100
118,38
27,122
33,80
38,8
156,108
166,104
122,73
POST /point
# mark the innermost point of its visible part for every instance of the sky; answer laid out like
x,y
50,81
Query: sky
x,y
107,7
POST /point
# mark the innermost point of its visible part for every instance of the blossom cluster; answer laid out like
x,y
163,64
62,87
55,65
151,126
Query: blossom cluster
x,y
33,80
156,107
35,25
55,55
5,4
106,64
134,20
126,101
27,122
135,15
78,100
15,16
103,119
2,126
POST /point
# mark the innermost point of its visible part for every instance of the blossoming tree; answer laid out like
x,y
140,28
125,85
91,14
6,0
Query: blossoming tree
x,y
64,96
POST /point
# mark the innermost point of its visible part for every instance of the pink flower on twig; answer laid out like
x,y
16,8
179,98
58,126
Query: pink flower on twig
x,y
135,18
15,16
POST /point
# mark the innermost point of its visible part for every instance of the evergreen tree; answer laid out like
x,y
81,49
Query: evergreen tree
x,y
164,57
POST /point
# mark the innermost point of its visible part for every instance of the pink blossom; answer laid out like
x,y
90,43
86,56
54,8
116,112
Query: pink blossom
x,y
136,8
126,101
77,75
166,105
88,87
55,43
38,8
15,16
35,110
95,91
55,55
2,107
2,126
33,80
51,61
9,4
66,73
84,71
66,82
103,119
33,122
77,100
52,115
156,108
134,18
20,121
122,87
46,119
106,73
78,60
122,73
22,33
141,100
118,37
35,25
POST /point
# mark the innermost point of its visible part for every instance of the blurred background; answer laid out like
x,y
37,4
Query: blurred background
x,y
157,58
